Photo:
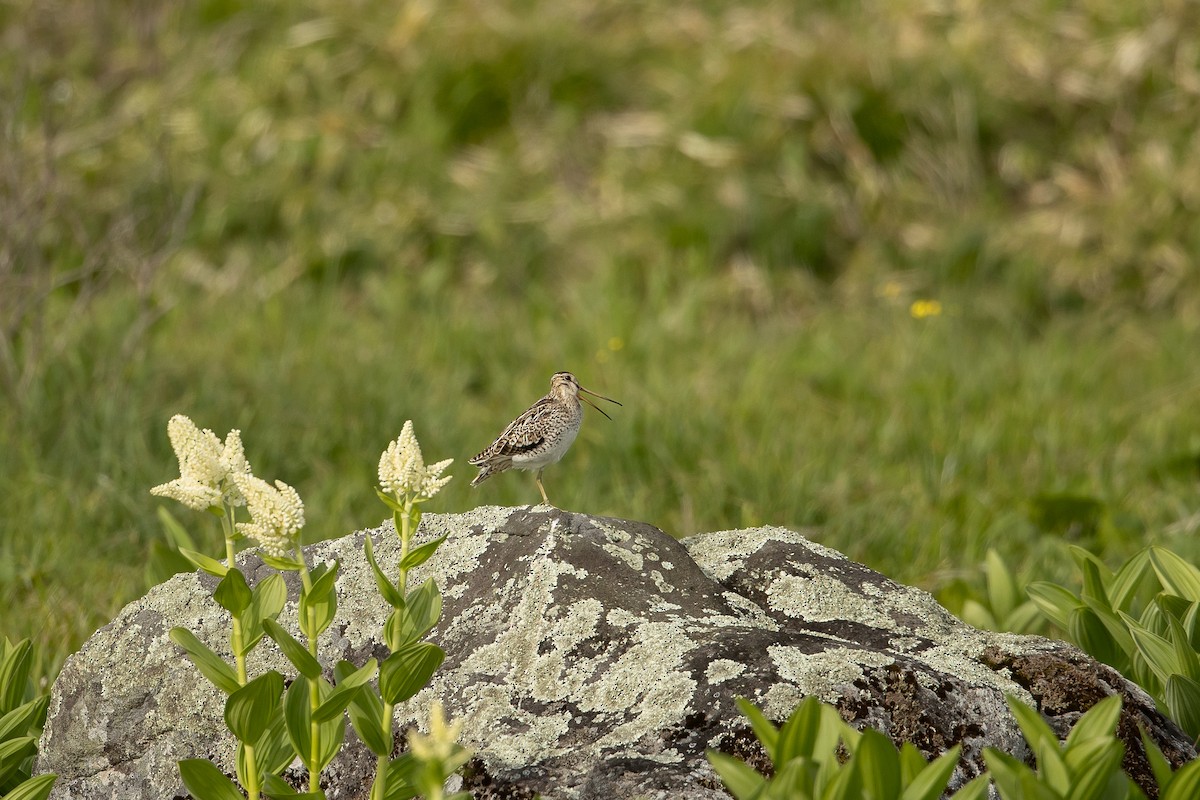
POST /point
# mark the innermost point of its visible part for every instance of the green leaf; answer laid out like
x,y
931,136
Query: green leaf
x,y
911,763
766,732
1128,578
1095,574
1183,701
206,563
408,670
1033,726
390,502
401,777
1055,602
1023,619
386,588
976,789
276,788
248,711
1014,780
1115,626
232,593
411,621
176,533
799,734
282,564
930,782
879,764
1176,575
419,555
739,778
206,782
1158,652
298,714
295,652
14,751
209,663
14,676
1185,655
273,751
1091,634
318,605
1186,783
1099,722
37,788
268,599
1093,764
366,714
1158,762
24,717
977,615
333,706
1001,586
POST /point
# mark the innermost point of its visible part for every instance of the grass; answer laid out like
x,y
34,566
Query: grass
x,y
314,221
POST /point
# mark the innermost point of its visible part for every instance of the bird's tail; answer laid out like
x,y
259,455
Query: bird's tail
x,y
484,473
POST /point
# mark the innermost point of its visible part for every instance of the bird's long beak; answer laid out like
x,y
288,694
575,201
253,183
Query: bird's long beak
x,y
593,405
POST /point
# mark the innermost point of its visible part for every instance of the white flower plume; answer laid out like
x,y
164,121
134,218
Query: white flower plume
x,y
402,469
207,469
276,514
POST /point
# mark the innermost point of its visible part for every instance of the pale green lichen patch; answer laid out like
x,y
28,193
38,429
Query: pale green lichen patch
x,y
722,669
825,674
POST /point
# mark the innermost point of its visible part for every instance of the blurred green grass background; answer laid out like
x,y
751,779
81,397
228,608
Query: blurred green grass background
x,y
919,274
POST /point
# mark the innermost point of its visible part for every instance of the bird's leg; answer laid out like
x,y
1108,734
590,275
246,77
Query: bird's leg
x,y
541,488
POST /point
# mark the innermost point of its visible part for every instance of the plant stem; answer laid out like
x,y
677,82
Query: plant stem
x,y
314,693
405,520
236,635
236,642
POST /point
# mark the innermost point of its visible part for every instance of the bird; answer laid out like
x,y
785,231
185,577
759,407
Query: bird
x,y
541,435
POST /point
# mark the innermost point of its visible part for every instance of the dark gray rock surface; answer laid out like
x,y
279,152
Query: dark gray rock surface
x,y
593,658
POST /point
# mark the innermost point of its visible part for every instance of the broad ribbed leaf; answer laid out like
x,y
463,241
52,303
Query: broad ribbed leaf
x,y
211,665
249,710
385,586
273,751
1186,783
295,652
1176,575
206,563
1183,701
1093,764
1158,762
1088,631
1001,586
233,593
18,721
930,782
800,733
268,599
419,555
408,670
1030,721
1158,652
1055,602
333,706
1128,579
366,714
206,782
37,788
763,729
277,788
318,605
879,764
739,778
415,618
1100,721
14,676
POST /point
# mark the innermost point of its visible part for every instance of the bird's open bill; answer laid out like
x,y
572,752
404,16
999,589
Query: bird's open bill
x,y
593,405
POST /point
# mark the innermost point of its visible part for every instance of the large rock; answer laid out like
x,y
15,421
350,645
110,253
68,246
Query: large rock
x,y
595,658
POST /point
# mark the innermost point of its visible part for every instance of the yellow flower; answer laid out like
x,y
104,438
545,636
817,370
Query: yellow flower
x,y
402,469
920,309
207,469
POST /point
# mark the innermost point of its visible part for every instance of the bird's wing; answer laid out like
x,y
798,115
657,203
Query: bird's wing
x,y
523,434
